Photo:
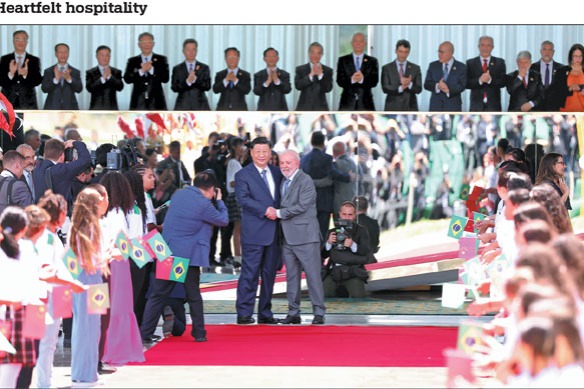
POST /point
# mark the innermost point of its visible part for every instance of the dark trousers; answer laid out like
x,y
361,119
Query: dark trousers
x,y
160,291
140,283
67,328
226,234
180,320
324,219
257,261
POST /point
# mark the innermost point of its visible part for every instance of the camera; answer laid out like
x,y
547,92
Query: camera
x,y
344,230
122,159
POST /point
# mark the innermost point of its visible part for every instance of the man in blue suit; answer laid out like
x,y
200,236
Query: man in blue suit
x,y
446,80
257,188
187,230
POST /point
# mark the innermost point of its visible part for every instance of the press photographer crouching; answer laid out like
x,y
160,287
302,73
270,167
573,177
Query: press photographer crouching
x,y
346,252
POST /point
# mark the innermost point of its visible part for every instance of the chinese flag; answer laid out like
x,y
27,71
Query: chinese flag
x,y
62,301
163,268
34,321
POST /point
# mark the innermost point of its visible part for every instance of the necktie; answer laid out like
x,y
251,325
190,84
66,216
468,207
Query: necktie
x,y
19,61
357,65
146,59
265,178
30,183
285,185
547,75
230,84
485,68
190,67
445,72
401,69
62,69
525,82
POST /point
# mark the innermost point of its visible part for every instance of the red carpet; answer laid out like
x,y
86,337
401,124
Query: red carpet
x,y
307,345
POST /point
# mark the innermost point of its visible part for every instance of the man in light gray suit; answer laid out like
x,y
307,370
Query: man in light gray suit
x,y
401,80
301,238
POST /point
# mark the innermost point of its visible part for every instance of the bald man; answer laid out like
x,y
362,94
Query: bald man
x,y
446,80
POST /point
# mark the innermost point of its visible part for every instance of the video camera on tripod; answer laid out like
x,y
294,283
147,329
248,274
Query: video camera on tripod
x,y
122,159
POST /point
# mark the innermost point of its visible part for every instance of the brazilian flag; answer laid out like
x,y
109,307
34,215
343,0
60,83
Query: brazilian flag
x,y
464,191
456,227
123,244
138,253
180,266
70,260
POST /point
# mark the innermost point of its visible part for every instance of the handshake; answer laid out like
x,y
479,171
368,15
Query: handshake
x,y
271,213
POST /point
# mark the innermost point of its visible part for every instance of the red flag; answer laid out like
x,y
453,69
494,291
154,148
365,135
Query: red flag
x,y
163,268
125,127
4,125
34,321
157,118
139,127
62,301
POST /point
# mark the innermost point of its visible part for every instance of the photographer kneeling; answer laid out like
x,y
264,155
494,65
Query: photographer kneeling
x,y
346,251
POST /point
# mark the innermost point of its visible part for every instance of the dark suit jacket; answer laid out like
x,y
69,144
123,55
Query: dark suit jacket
x,y
62,174
318,165
21,91
232,99
551,101
189,223
61,97
456,82
103,94
498,71
254,198
519,95
169,163
558,91
147,92
357,97
390,83
313,92
193,97
272,98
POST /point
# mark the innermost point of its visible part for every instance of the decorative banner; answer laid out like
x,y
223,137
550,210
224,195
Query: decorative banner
x,y
468,247
456,227
34,321
98,298
470,335
453,295
464,191
138,253
62,301
158,245
123,244
179,269
163,268
70,260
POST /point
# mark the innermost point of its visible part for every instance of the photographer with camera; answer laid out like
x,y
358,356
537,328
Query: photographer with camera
x,y
57,172
346,251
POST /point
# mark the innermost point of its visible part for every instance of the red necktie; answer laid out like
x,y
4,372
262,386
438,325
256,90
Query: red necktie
x,y
525,81
484,71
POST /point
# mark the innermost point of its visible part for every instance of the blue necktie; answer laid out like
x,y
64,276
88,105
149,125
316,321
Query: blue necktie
x,y
62,69
357,67
265,178
285,186
445,75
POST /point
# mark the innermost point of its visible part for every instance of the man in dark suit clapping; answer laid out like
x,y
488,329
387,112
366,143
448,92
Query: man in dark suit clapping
x,y
272,84
357,74
147,72
232,83
20,74
486,75
61,81
446,80
191,79
314,80
103,82
524,86
401,80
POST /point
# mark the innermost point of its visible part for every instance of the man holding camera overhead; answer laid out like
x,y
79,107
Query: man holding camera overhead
x,y
346,251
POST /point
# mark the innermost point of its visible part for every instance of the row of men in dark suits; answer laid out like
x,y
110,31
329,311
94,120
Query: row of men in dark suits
x,y
357,75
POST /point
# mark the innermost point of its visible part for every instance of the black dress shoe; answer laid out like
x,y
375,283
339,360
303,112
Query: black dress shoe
x,y
318,319
201,339
245,320
151,339
268,320
290,320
